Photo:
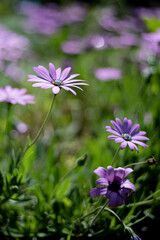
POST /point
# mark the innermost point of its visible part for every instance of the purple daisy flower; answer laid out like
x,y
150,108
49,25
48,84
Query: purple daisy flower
x,y
115,188
56,79
126,134
15,95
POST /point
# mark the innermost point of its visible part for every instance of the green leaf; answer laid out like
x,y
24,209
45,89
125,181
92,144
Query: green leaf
x,y
62,189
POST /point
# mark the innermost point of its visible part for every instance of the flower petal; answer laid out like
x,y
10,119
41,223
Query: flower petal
x,y
118,128
136,137
55,89
128,171
134,129
98,191
110,174
52,70
69,89
65,73
102,181
127,184
140,143
114,199
100,171
123,144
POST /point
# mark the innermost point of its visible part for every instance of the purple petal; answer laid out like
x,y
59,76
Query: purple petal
x,y
52,70
112,136
134,129
111,130
129,125
140,143
128,171
65,73
119,123
55,89
131,145
58,73
37,84
118,128
98,191
110,174
114,199
119,140
119,173
136,137
46,86
127,184
40,70
71,77
123,144
102,181
69,89
140,133
100,171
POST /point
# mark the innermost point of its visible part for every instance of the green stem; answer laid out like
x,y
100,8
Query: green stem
x,y
102,208
115,155
132,164
115,214
40,130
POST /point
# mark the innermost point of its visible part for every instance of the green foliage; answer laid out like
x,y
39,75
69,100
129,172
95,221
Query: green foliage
x,y
46,195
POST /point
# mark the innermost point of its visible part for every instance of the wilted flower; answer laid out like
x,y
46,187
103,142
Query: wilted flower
x,y
15,95
108,74
115,188
126,134
56,79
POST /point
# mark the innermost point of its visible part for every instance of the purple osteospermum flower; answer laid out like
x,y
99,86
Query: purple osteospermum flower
x,y
56,79
126,134
15,95
116,188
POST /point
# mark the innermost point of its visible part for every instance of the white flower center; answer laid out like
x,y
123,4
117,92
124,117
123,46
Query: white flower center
x,y
126,136
57,82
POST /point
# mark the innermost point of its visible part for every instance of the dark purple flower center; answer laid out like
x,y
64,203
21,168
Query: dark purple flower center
x,y
57,82
114,186
126,136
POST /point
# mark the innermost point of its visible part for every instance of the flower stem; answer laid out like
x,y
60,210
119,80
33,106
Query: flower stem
x,y
40,130
99,212
115,155
132,164
115,214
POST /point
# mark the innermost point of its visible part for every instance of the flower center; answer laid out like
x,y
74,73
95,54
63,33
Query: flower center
x,y
114,186
57,82
126,137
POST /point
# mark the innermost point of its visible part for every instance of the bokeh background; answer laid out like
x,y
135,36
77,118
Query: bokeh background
x,y
114,46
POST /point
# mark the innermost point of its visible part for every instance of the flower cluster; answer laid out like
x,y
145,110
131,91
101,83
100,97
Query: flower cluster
x,y
114,186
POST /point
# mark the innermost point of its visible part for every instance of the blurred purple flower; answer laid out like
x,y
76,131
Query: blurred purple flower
x,y
126,134
48,18
135,237
115,188
72,47
56,79
108,74
12,45
15,95
14,72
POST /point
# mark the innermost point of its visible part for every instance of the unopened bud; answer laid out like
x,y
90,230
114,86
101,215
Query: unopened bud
x,y
82,160
152,161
